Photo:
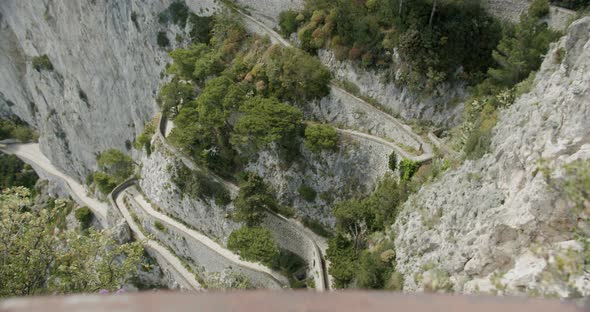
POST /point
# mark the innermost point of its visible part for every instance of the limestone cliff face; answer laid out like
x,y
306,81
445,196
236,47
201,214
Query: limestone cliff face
x,y
444,107
349,171
494,224
106,72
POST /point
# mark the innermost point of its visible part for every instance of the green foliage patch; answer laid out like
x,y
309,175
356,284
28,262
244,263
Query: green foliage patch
x,y
199,185
84,216
254,244
321,137
253,199
14,172
41,63
16,129
433,38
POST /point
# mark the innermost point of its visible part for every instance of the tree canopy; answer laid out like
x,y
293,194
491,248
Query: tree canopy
x,y
37,259
254,244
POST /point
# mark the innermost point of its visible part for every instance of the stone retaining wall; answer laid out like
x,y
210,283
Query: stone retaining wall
x,y
201,258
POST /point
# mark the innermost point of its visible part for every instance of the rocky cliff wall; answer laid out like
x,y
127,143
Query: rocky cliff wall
x,y
202,259
106,72
443,108
351,170
157,183
495,224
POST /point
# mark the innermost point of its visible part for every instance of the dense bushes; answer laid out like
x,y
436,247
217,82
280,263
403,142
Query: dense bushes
x,y
177,13
143,141
197,184
15,128
266,120
245,90
307,192
254,244
288,22
14,172
356,220
432,48
37,258
407,168
114,167
162,39
320,137
292,75
392,161
41,63
253,199
84,216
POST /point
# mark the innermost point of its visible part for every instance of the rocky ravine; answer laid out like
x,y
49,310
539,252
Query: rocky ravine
x,y
494,224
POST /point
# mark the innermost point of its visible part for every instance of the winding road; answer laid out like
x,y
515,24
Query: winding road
x,y
319,243
173,261
260,28
132,193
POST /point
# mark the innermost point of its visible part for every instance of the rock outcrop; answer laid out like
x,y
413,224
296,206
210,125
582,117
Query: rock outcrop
x,y
495,224
351,170
443,108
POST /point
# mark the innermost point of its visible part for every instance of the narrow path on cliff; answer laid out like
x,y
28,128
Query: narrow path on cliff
x,y
320,244
31,154
262,29
133,193
166,254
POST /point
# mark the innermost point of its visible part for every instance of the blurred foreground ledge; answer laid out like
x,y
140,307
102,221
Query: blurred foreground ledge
x,y
285,301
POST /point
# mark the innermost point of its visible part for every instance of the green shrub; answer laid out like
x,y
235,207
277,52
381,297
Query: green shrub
x,y
253,199
17,129
84,216
392,162
539,8
115,163
254,244
395,282
145,138
104,182
14,172
343,260
316,227
288,22
307,192
407,168
321,137
41,63
200,28
162,39
179,13
197,184
372,271
160,227
265,121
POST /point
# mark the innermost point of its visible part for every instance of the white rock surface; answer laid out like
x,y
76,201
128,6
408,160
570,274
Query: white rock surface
x,y
493,215
96,50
